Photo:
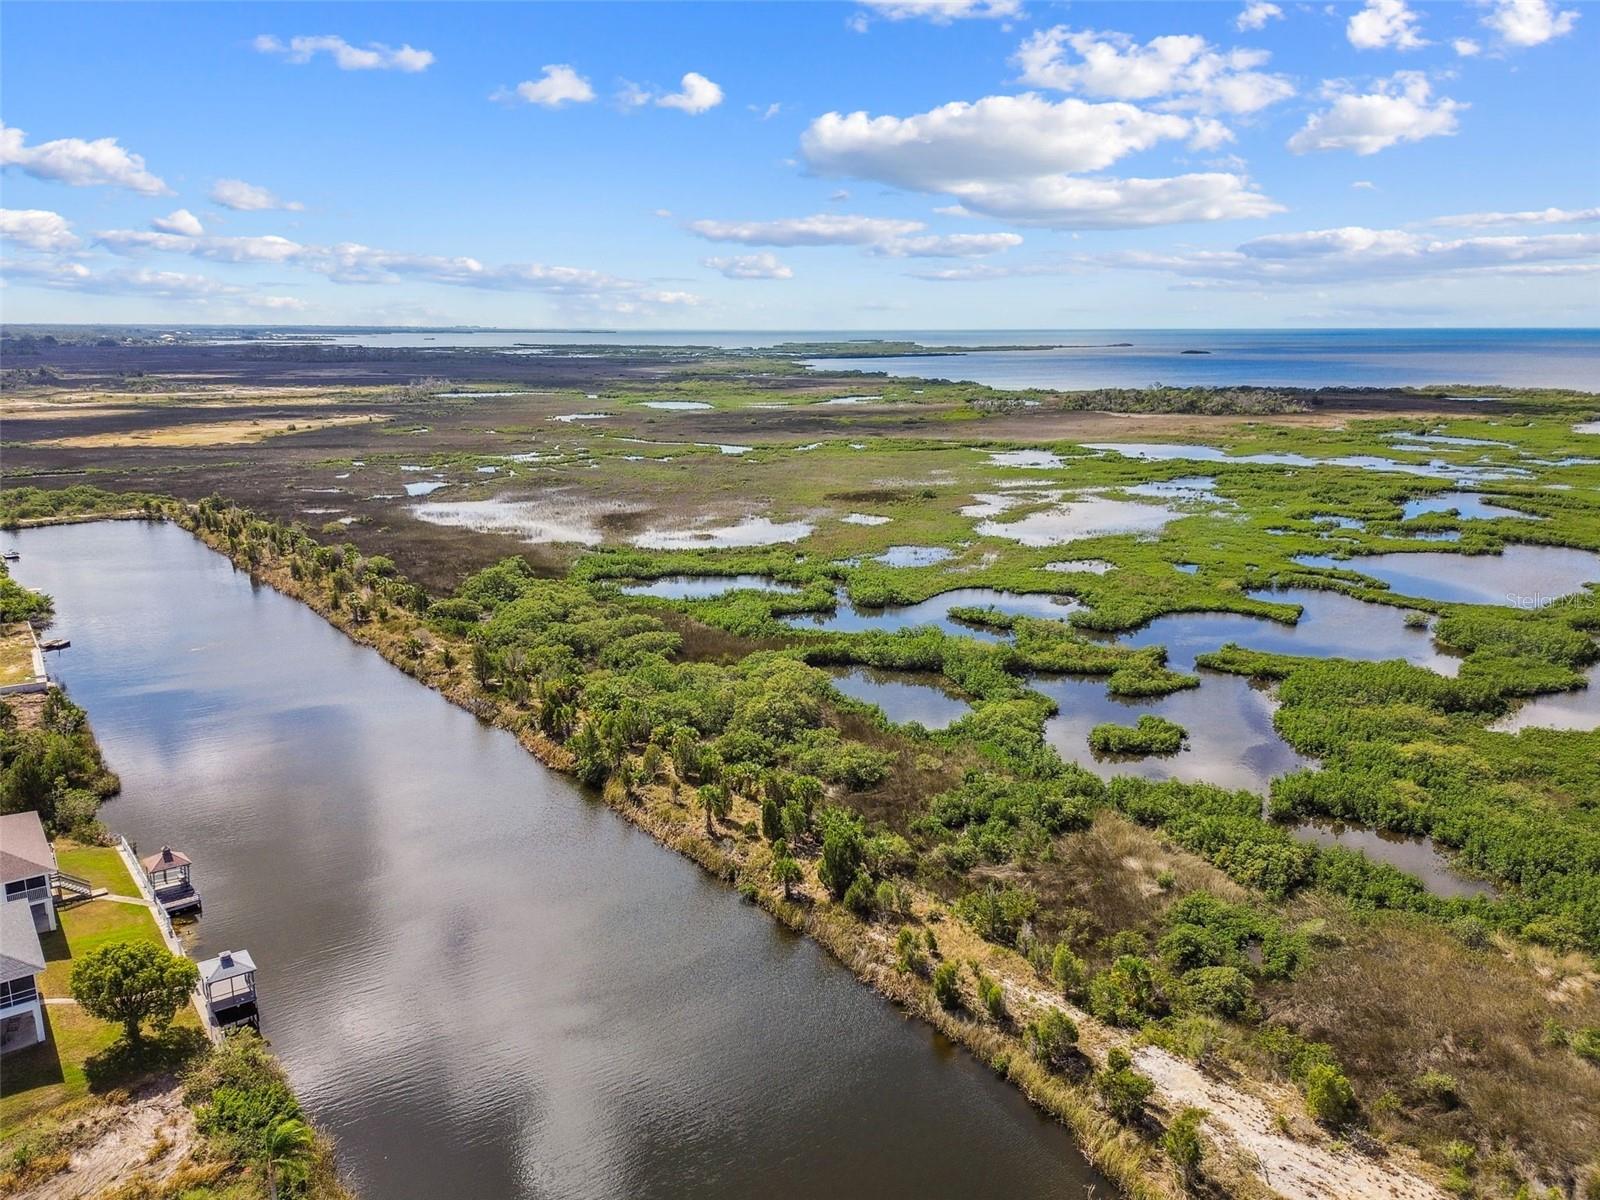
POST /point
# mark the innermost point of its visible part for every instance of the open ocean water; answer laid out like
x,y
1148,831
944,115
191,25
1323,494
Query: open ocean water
x,y
1089,358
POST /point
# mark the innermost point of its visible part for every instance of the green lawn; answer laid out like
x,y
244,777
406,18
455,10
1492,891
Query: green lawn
x,y
100,865
87,927
83,1054
16,655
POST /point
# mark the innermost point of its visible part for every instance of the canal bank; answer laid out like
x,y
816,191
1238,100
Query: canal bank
x,y
470,967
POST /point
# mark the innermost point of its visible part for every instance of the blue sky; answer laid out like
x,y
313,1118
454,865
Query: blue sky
x,y
890,164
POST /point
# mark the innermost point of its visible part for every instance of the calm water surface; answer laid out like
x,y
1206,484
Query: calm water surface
x,y
1527,577
483,983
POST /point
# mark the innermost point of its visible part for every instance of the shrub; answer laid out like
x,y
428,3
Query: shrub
x,y
859,897
992,995
1123,1090
1052,1038
1182,1143
1224,991
1068,970
1329,1096
946,985
998,914
1152,735
843,843
908,954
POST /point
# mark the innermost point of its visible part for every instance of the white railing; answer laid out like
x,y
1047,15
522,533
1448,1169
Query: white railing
x,y
208,1020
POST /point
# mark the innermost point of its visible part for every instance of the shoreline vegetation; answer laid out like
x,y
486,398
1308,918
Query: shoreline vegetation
x,y
960,968
125,1114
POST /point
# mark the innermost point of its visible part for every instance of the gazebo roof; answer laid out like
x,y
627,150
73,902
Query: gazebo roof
x,y
230,964
22,955
166,859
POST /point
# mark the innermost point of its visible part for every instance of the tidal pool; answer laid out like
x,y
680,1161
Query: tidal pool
x,y
568,418
481,980
1331,625
1189,451
705,587
1587,427
1519,576
913,556
1076,520
1468,506
1036,460
675,405
1417,856
1232,742
1579,710
548,519
425,489
903,696
752,531
846,618
1196,488
1081,566
865,519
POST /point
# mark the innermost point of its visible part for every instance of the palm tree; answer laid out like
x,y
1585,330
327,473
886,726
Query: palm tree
x,y
287,1148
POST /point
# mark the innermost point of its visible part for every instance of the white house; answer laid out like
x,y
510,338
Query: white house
x,y
28,866
21,961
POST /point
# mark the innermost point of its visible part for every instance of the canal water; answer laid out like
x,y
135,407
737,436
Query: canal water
x,y
481,981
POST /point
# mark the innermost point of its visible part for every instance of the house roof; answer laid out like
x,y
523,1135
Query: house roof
x,y
20,953
228,965
166,859
24,850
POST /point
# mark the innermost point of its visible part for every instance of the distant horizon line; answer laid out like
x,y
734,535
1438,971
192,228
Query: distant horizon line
x,y
363,328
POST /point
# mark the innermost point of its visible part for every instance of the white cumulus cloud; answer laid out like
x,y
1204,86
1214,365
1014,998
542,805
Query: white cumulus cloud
x,y
1256,14
558,85
1529,22
750,266
942,12
1400,109
1384,23
696,95
37,229
248,197
79,163
1074,202
1021,159
1185,70
1466,47
180,221
374,56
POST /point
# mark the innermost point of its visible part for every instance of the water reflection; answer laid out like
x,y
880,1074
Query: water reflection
x,y
1520,576
1331,625
1578,709
1232,742
846,618
1468,506
903,696
705,587
1417,856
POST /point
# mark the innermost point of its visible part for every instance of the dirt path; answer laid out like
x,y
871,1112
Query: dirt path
x,y
1297,1170
146,1138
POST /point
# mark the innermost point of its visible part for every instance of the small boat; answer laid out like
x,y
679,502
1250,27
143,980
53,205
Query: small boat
x,y
55,644
11,556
